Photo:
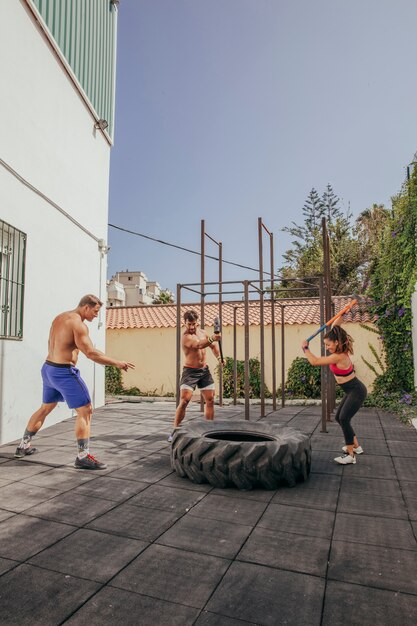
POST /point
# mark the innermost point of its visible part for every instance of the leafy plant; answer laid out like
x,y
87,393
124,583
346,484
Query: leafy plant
x,y
303,379
113,380
254,379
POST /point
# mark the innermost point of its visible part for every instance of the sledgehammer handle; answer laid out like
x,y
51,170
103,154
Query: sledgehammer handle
x,y
333,319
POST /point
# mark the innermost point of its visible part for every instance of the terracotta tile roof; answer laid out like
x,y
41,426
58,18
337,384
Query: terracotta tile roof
x,y
165,315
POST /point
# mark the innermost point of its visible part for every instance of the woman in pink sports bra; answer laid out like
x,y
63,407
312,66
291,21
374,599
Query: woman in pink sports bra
x,y
339,346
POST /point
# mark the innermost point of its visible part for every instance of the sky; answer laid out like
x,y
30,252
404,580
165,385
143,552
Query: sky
x,y
231,110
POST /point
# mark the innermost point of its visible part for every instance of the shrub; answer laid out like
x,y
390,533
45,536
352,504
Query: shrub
x,y
254,379
303,379
113,380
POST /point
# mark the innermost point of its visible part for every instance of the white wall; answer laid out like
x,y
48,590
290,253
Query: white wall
x,y
47,135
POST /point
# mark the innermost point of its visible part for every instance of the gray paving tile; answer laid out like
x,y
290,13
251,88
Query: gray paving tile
x,y
148,470
297,520
406,468
400,434
108,488
374,566
373,486
411,504
18,469
90,554
116,606
374,446
55,457
373,466
261,594
167,498
76,509
403,448
6,565
158,570
135,521
409,488
3,483
238,511
326,442
357,605
288,551
370,504
173,480
258,495
206,537
315,498
19,496
22,536
60,478
323,463
5,514
378,531
56,598
214,619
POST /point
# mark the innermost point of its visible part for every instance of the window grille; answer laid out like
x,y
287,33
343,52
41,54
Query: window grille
x,y
12,281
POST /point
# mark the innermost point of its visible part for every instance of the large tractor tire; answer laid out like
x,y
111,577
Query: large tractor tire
x,y
241,454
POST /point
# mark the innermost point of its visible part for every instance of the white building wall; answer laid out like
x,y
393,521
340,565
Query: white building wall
x,y
47,135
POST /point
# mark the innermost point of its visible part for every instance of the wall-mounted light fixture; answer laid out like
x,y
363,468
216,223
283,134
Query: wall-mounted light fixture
x,y
101,125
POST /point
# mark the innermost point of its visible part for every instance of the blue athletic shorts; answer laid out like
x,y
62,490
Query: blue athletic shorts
x,y
63,383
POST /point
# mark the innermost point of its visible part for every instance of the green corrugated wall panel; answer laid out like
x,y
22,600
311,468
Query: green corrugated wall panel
x,y
85,32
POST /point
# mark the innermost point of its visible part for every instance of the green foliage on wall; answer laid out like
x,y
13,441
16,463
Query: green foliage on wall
x,y
113,380
303,379
392,284
254,379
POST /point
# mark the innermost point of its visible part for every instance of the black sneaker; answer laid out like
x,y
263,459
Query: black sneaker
x,y
22,452
89,463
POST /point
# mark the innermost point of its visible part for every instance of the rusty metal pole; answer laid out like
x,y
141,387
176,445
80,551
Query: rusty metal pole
x,y
327,302
246,292
274,364
202,288
282,355
234,356
261,318
221,318
178,355
323,368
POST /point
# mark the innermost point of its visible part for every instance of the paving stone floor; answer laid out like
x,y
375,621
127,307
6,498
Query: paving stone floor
x,y
137,545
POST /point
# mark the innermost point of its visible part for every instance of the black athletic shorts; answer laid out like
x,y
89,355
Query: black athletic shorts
x,y
193,377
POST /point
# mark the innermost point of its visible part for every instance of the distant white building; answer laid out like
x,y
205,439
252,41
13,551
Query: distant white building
x,y
57,83
131,289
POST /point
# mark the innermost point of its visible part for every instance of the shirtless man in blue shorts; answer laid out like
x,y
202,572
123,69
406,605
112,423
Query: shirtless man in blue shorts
x,y
62,380
196,372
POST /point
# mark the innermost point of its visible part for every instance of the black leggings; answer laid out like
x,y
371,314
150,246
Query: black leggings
x,y
355,394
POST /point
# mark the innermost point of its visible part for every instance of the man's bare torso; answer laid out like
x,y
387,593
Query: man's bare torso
x,y
194,357
61,344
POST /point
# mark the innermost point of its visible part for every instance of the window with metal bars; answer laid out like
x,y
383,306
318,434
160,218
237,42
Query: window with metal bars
x,y
12,281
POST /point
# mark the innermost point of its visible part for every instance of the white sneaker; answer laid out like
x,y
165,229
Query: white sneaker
x,y
345,459
169,439
358,450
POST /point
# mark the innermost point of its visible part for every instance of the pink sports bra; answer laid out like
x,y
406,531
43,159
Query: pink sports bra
x,y
337,372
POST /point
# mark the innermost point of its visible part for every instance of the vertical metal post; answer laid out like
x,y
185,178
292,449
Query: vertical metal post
x,y
327,299
282,355
246,292
178,362
323,368
274,364
261,318
221,318
234,356
202,288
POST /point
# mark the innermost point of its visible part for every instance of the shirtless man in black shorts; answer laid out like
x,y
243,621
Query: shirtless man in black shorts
x,y
62,380
196,371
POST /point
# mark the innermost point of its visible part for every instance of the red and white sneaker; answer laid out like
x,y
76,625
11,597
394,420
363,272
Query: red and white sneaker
x,y
89,463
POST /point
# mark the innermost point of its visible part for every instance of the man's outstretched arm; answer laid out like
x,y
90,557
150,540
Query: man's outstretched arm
x,y
84,343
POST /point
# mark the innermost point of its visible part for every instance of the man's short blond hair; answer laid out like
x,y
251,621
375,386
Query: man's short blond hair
x,y
90,300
